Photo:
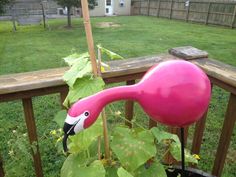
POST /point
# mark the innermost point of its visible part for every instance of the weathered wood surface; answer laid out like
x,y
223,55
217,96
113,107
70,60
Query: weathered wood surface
x,y
134,65
129,107
188,52
226,133
221,74
53,77
218,70
32,133
31,80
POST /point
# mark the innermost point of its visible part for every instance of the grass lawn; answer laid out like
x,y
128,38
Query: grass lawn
x,y
33,48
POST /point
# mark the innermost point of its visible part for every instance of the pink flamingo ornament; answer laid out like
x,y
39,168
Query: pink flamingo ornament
x,y
175,93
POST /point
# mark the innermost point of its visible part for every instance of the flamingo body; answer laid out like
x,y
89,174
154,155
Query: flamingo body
x,y
175,93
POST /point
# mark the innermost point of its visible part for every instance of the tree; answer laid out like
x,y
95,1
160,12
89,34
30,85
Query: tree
x,y
3,3
73,3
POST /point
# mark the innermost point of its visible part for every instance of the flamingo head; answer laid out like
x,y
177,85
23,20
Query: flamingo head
x,y
75,124
80,116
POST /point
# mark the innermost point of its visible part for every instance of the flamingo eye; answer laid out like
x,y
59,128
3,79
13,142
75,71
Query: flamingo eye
x,y
86,113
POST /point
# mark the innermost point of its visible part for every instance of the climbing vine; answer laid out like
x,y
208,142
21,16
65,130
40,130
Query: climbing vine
x,y
135,152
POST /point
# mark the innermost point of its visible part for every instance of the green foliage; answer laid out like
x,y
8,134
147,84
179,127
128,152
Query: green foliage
x,y
73,167
110,54
83,87
80,67
132,149
123,173
75,3
20,154
3,4
161,135
156,169
80,79
60,117
174,145
175,150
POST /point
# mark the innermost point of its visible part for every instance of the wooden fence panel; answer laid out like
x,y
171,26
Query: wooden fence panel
x,y
179,10
207,12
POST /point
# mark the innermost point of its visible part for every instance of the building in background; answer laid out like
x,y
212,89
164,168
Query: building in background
x,y
111,7
53,10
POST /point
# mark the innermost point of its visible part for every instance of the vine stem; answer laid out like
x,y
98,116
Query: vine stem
x,y
123,118
99,148
105,134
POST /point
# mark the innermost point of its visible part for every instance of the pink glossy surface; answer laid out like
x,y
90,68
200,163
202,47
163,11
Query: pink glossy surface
x,y
175,93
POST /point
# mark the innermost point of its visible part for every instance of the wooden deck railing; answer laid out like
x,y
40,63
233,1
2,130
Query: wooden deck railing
x,y
24,86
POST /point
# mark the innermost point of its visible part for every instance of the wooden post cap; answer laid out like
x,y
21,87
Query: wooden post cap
x,y
188,52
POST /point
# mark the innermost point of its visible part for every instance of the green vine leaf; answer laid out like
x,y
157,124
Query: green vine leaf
x,y
132,149
72,59
175,150
123,173
110,54
175,145
74,167
155,170
111,171
81,141
162,135
83,87
80,68
60,117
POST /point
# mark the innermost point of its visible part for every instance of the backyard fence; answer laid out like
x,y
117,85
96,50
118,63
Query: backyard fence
x,y
206,12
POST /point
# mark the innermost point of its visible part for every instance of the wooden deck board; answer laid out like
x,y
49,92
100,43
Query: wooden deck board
x,y
53,77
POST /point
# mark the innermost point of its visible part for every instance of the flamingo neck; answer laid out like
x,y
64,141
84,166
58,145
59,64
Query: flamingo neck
x,y
101,99
117,93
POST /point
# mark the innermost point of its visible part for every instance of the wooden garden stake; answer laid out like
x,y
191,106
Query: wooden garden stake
x,y
89,35
104,119
105,134
99,148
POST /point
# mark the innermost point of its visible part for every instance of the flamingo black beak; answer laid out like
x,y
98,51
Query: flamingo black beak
x,y
72,126
68,130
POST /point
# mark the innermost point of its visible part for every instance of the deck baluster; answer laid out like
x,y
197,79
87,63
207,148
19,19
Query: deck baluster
x,y
129,107
224,142
31,128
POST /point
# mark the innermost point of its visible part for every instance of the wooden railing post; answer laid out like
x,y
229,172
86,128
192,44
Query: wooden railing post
x,y
63,95
208,12
31,128
171,7
158,9
140,4
129,107
225,137
187,12
233,18
198,132
1,167
148,8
